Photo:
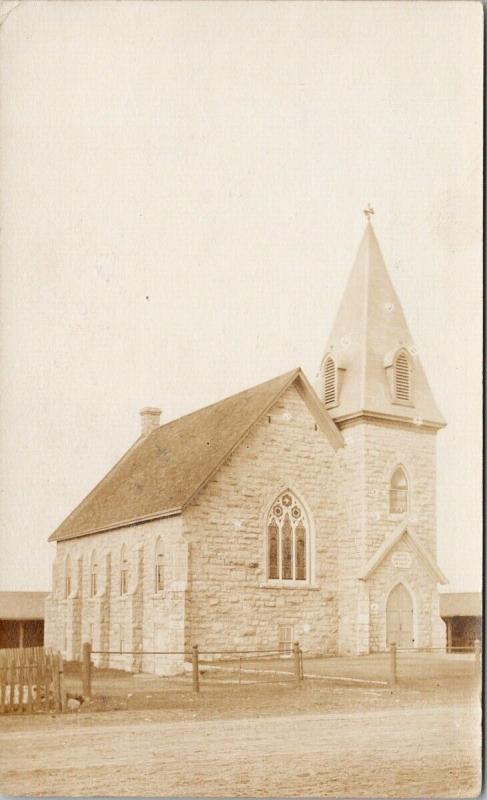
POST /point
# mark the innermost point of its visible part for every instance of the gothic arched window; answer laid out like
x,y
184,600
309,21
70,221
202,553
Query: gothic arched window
x,y
124,571
329,378
398,492
287,539
93,575
159,574
67,578
402,377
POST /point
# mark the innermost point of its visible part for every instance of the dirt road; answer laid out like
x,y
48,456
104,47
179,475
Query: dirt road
x,y
404,751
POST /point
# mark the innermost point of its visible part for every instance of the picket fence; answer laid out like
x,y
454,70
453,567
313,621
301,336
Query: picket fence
x,y
31,680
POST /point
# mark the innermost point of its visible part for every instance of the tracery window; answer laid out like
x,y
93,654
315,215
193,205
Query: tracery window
x,y
159,573
398,492
124,571
287,539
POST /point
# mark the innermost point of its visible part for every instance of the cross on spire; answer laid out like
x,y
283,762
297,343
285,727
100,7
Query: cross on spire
x,y
368,212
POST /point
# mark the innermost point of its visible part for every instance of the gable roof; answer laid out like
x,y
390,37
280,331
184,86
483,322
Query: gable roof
x,y
162,472
370,327
403,530
22,605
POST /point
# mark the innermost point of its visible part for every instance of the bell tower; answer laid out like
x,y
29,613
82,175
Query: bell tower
x,y
373,385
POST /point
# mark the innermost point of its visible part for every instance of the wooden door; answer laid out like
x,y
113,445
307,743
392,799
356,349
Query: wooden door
x,y
399,617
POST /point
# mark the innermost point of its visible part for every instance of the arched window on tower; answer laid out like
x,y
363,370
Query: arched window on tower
x,y
287,531
159,573
67,578
93,575
329,381
398,492
402,378
124,571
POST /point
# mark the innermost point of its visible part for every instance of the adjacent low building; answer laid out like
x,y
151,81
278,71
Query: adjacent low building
x,y
462,613
22,619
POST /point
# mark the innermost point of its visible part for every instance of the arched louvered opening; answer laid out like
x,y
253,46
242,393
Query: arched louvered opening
x,y
329,381
287,539
398,492
402,378
124,571
67,578
94,575
159,573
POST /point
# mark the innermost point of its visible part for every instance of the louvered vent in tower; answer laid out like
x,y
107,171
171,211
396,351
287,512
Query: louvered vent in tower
x,y
330,381
402,378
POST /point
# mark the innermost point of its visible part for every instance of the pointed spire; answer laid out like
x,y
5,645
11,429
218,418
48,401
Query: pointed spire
x,y
369,331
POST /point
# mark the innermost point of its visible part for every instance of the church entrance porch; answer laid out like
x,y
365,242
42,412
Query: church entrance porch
x,y
400,618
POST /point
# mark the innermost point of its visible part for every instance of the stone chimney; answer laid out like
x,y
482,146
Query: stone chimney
x,y
150,419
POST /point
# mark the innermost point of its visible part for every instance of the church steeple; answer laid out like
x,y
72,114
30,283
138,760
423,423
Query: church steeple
x,y
374,369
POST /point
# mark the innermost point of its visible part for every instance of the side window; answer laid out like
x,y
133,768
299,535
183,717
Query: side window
x,y
398,492
67,578
94,575
285,637
159,567
124,571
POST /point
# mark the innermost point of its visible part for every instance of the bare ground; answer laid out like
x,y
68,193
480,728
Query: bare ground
x,y
420,739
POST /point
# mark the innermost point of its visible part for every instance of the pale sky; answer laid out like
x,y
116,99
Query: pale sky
x,y
182,187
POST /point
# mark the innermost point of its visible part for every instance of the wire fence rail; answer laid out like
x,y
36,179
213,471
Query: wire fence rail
x,y
32,679
246,666
200,665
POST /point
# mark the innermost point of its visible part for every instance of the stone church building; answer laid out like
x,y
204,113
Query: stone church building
x,y
281,513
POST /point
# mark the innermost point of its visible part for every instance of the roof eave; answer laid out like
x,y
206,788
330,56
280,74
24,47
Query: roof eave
x,y
404,528
123,524
383,416
322,417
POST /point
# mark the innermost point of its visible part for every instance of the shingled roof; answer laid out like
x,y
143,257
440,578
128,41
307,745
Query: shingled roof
x,y
161,473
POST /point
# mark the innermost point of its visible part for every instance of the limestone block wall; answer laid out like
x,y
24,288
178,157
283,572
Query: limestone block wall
x,y
428,627
230,602
386,446
372,452
352,541
113,621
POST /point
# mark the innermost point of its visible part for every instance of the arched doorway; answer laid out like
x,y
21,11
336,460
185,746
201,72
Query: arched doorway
x,y
399,617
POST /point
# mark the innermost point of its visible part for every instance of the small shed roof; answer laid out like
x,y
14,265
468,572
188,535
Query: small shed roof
x,y
461,604
22,605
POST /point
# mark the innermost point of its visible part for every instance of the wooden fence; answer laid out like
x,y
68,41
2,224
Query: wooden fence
x,y
31,680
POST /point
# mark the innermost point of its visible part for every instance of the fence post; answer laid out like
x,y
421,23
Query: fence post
x,y
297,662
62,691
196,670
86,670
476,650
393,665
3,687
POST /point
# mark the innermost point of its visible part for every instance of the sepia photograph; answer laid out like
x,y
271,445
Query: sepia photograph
x,y
241,429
